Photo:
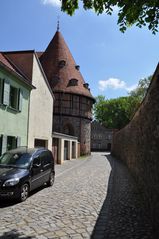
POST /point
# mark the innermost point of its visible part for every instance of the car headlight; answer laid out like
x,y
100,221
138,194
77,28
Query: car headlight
x,y
11,182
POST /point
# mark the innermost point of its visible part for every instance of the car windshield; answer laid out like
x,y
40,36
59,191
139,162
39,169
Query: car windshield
x,y
21,160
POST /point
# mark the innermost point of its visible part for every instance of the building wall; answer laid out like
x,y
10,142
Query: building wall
x,y
80,128
72,115
41,109
138,146
14,122
101,137
85,140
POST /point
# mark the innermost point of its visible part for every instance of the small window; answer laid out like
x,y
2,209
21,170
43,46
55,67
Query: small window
x,y
109,136
40,143
77,67
73,82
62,63
86,85
11,142
13,100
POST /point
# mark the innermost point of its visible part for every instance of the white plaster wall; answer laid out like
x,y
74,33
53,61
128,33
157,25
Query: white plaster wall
x,y
41,109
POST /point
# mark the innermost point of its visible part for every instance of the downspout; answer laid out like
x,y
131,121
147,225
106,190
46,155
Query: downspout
x,y
28,118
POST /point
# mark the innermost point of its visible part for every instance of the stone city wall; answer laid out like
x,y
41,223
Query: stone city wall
x,y
138,146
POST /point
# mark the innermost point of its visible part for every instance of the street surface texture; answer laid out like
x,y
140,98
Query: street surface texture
x,y
92,197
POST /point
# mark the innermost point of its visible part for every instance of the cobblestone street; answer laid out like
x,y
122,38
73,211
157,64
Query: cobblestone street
x,y
92,197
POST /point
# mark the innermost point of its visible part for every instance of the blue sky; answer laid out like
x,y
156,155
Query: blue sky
x,y
110,61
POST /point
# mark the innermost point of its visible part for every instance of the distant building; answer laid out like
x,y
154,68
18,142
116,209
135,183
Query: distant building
x,y
14,106
73,99
101,137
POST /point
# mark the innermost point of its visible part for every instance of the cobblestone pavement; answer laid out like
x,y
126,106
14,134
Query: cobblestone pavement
x,y
92,197
122,215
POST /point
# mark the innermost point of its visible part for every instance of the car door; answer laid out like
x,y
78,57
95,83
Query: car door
x,y
46,165
36,173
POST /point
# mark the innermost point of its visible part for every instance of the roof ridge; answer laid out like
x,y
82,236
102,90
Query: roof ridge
x,y
20,51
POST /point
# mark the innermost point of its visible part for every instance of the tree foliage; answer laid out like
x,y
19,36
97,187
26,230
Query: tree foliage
x,y
115,113
139,12
141,89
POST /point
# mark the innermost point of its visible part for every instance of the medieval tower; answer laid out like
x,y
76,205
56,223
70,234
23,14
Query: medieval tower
x,y
73,99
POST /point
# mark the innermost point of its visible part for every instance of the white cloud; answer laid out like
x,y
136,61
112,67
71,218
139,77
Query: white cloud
x,y
114,83
132,87
55,3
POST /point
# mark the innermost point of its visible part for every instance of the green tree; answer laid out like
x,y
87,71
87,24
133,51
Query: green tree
x,y
115,113
139,12
141,89
98,108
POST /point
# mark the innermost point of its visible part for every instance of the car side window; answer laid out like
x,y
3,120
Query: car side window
x,y
45,158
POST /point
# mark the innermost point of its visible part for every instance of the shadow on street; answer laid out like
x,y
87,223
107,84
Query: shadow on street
x,y
14,234
122,215
8,202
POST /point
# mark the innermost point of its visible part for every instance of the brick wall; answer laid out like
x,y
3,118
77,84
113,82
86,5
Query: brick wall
x,y
138,146
81,128
101,137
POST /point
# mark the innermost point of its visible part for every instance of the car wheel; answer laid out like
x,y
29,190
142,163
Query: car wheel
x,y
51,179
24,192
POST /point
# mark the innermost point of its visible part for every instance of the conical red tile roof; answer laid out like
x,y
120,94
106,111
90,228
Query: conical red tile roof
x,y
60,67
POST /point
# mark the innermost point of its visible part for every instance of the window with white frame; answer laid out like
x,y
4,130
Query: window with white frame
x,y
8,143
13,99
11,142
12,96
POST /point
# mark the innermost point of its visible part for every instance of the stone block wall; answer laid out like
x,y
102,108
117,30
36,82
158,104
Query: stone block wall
x,y
138,146
85,136
81,128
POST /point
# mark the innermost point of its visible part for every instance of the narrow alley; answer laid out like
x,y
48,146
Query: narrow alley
x,y
93,197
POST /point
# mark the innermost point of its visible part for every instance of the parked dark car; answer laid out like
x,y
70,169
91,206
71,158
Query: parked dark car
x,y
23,170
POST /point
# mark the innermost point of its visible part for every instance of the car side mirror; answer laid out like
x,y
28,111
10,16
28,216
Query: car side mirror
x,y
36,162
36,165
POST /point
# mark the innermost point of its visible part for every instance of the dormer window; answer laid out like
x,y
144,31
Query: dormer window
x,y
77,67
86,85
73,82
62,63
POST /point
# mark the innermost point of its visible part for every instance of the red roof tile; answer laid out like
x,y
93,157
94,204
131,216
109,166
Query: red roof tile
x,y
5,62
11,66
59,77
23,61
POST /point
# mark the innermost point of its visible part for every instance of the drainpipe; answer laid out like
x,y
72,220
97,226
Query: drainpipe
x,y
28,119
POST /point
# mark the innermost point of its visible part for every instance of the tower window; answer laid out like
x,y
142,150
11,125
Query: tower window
x,y
61,63
77,67
73,82
86,85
